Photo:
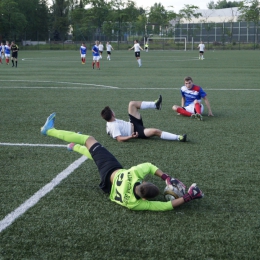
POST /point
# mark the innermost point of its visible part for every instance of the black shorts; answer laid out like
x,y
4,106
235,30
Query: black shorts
x,y
101,52
15,55
138,126
201,51
109,52
137,54
106,163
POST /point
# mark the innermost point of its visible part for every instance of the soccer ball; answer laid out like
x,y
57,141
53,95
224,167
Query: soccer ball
x,y
169,194
174,191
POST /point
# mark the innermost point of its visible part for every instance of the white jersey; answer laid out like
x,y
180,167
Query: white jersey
x,y
137,47
119,128
109,47
201,46
100,47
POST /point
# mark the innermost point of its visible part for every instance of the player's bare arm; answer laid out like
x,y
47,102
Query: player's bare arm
x,y
126,138
182,101
208,106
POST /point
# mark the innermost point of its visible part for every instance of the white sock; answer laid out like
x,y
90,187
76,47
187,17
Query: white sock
x,y
147,105
140,62
169,136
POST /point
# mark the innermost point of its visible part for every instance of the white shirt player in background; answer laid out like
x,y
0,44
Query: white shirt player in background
x,y
137,48
125,130
201,47
101,49
109,49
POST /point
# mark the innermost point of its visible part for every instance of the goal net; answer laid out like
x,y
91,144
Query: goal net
x,y
166,43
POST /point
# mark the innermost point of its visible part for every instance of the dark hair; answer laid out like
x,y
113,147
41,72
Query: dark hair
x,y
107,113
136,40
188,79
148,190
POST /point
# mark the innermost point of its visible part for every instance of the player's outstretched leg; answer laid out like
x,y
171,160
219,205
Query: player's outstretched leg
x,y
158,103
49,124
79,149
68,136
182,138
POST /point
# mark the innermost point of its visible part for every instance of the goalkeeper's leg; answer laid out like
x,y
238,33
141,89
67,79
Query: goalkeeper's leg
x,y
49,130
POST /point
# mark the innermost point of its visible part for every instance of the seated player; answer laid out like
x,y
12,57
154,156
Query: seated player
x,y
191,100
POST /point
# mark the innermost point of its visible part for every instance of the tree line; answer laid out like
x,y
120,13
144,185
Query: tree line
x,y
40,20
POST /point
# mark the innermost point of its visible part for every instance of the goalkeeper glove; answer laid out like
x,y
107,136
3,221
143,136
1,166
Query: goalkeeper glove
x,y
193,193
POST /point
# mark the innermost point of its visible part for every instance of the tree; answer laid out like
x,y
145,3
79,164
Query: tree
x,y
211,5
188,12
60,19
222,4
37,16
12,21
158,16
250,12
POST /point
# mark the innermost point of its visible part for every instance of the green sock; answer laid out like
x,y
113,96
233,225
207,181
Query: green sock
x,y
82,150
70,137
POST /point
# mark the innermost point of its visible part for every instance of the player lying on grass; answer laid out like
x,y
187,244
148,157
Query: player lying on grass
x,y
125,186
123,130
191,100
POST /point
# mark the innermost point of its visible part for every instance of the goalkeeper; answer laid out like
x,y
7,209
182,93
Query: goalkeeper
x,y
124,186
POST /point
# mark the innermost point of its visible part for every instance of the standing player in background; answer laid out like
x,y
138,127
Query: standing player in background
x,y
191,100
201,47
7,52
137,48
15,49
2,52
83,52
95,53
109,49
100,48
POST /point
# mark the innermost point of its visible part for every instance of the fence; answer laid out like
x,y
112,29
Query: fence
x,y
240,35
225,36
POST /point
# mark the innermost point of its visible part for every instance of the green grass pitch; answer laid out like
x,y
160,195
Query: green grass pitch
x,y
75,220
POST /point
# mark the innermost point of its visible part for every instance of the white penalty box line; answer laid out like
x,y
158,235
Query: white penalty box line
x,y
11,217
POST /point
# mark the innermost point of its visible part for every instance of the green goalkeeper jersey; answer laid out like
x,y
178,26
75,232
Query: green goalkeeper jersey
x,y
122,191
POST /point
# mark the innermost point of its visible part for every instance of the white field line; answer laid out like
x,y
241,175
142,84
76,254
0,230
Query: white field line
x,y
76,88
56,82
103,86
11,217
42,145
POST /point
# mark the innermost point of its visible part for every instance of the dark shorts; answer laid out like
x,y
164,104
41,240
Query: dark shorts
x,y
137,54
101,52
15,55
201,51
106,163
109,52
138,126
